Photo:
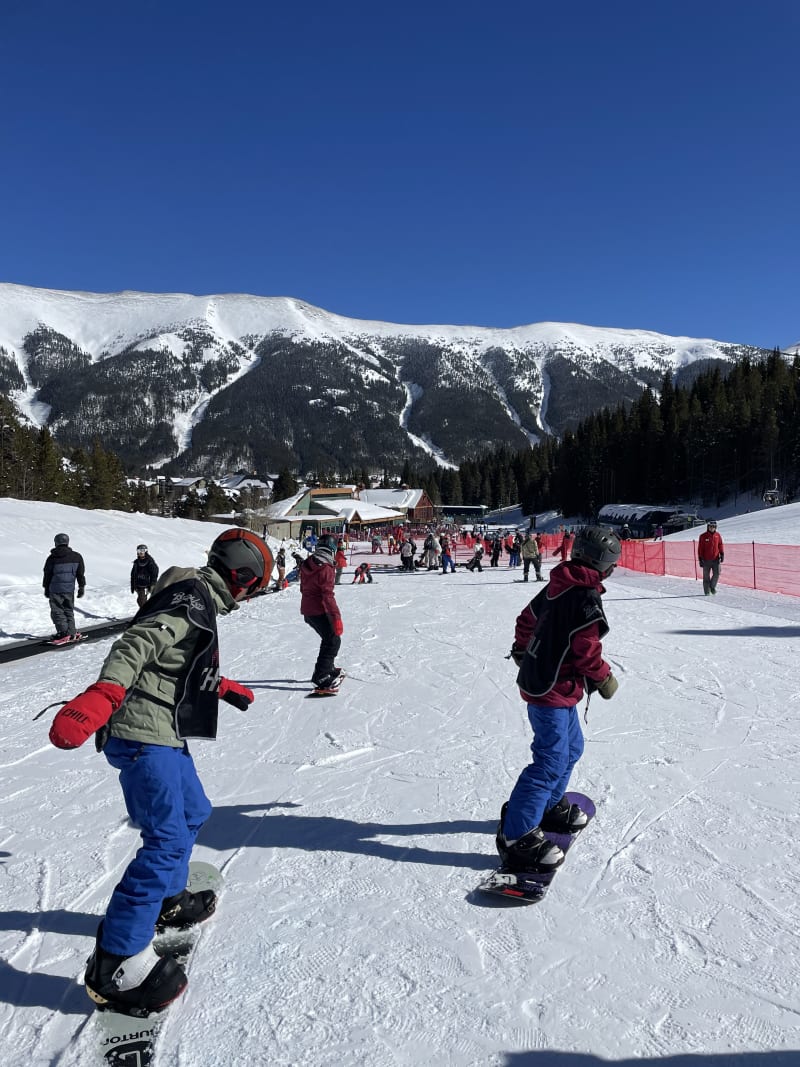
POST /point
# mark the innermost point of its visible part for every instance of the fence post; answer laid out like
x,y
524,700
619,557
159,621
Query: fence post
x,y
755,586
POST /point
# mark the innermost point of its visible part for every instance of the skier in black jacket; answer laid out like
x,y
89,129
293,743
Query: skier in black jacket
x,y
144,574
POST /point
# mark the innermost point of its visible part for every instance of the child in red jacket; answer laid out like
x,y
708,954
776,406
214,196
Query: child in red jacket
x,y
558,650
319,609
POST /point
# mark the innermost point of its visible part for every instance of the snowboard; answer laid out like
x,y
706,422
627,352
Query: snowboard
x,y
328,691
529,887
127,1041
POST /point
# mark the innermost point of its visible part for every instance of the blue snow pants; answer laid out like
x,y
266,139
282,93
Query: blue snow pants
x,y
557,747
166,802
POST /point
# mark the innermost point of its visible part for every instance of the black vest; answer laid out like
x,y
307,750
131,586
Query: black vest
x,y
557,619
197,701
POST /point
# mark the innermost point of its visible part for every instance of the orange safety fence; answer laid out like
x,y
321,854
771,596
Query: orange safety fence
x,y
770,568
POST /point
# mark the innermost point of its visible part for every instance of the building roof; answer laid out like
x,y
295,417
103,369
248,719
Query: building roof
x,y
402,499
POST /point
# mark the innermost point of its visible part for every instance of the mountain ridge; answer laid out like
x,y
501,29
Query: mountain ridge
x,y
263,382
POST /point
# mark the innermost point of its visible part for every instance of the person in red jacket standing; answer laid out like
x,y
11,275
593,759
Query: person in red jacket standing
x,y
557,648
319,609
710,554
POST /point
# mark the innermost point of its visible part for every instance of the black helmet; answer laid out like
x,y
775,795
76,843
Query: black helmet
x,y
327,540
141,548
597,547
61,539
243,560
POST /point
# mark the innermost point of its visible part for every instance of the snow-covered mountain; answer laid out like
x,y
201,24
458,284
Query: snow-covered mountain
x,y
263,382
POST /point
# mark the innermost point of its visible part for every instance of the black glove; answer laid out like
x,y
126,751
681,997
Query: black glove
x,y
722,557
517,654
80,593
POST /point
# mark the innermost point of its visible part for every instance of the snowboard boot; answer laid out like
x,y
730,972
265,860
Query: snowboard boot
x,y
532,852
564,818
186,909
330,681
133,985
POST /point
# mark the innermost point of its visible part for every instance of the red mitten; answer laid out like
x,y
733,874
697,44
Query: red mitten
x,y
338,625
85,713
233,693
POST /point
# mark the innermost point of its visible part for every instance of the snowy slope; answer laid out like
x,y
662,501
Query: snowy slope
x,y
353,831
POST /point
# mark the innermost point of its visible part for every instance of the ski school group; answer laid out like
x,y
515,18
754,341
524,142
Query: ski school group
x,y
160,685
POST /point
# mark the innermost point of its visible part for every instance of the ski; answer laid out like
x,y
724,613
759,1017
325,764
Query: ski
x,y
529,887
128,1041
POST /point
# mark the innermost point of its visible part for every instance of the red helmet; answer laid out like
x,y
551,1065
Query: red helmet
x,y
243,560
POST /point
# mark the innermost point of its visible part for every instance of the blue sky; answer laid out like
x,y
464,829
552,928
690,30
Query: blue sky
x,y
632,163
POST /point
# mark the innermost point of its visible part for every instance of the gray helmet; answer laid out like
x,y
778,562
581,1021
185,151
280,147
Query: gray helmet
x,y
597,547
61,539
327,540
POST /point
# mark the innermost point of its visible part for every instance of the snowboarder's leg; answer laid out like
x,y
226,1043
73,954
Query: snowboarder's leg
x,y
706,577
165,800
556,748
324,668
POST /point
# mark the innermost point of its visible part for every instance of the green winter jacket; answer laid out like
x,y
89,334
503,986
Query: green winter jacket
x,y
149,659
530,550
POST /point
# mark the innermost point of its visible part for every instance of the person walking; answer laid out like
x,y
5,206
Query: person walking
x,y
320,611
557,646
497,548
63,568
144,574
159,686
710,555
447,555
530,554
340,562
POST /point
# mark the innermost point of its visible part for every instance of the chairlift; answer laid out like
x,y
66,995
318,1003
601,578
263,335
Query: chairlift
x,y
772,497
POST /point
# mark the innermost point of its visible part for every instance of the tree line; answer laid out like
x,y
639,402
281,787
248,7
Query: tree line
x,y
723,435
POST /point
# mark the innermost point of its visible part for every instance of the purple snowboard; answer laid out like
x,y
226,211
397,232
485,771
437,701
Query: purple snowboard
x,y
528,887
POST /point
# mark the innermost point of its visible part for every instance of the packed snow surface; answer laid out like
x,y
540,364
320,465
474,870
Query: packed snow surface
x,y
352,831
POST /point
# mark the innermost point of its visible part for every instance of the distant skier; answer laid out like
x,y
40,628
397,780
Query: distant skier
x,y
477,556
159,685
144,574
557,648
63,568
710,555
319,609
362,574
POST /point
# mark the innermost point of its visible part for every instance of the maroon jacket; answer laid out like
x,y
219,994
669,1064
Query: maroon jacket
x,y
585,656
316,588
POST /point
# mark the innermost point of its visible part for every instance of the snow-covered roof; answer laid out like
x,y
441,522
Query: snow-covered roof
x,y
405,499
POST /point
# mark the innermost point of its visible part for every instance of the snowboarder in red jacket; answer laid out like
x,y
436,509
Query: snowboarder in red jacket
x,y
319,608
558,650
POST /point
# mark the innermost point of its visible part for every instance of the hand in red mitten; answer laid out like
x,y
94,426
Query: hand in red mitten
x,y
337,624
233,693
85,713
